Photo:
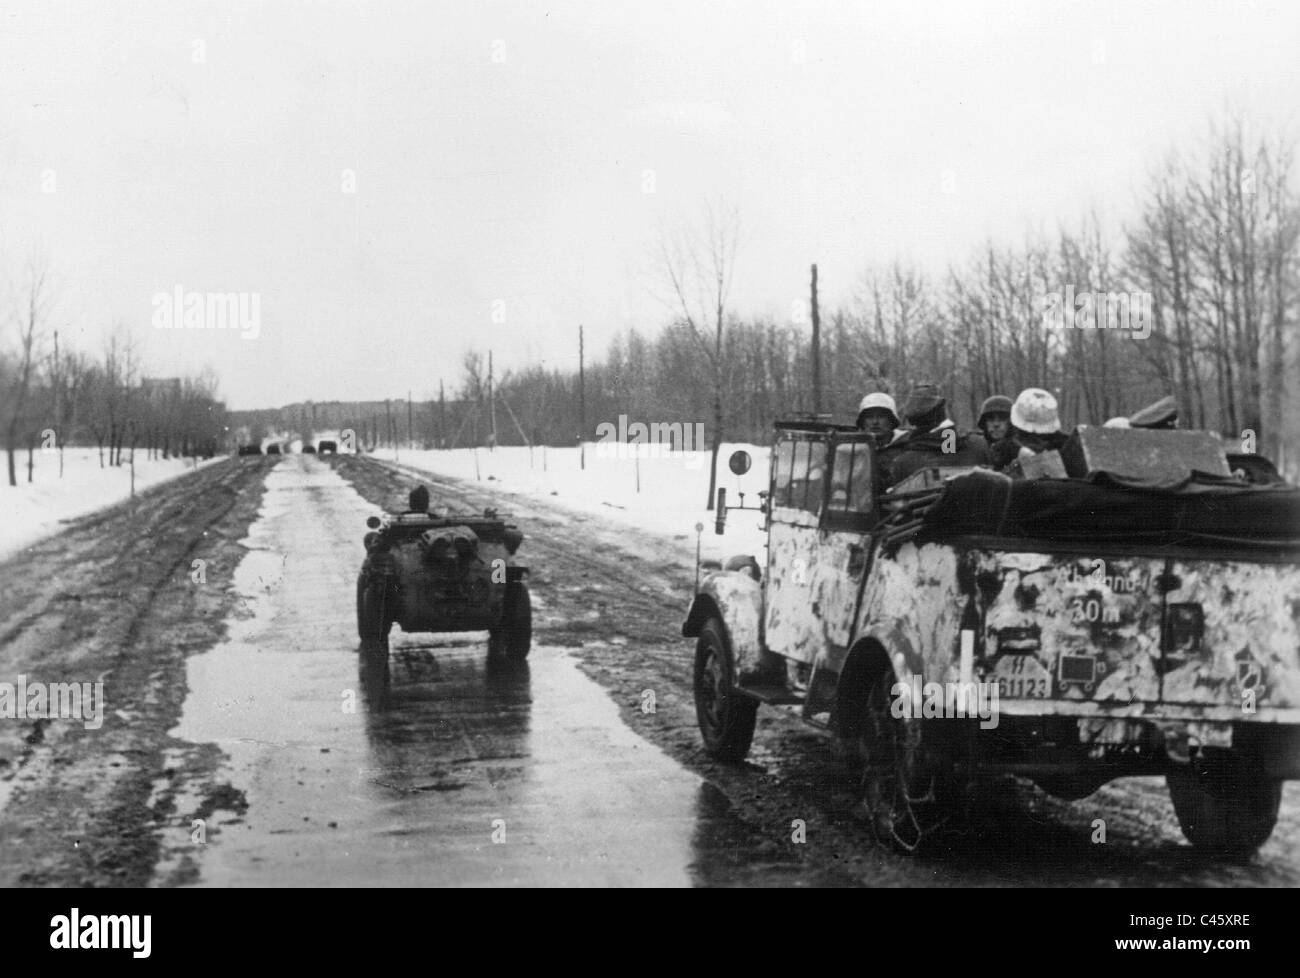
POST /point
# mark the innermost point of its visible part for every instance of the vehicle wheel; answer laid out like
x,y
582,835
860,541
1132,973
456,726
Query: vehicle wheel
x,y
373,621
514,636
902,794
1227,808
726,717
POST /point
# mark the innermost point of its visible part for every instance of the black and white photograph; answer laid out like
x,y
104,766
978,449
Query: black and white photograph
x,y
612,445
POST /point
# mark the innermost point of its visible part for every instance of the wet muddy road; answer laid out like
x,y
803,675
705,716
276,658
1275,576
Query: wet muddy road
x,y
243,744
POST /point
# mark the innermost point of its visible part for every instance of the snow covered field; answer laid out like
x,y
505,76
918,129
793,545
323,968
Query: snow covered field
x,y
672,487
36,509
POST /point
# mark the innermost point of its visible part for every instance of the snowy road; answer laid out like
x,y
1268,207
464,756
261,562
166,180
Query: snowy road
x,y
449,770
242,744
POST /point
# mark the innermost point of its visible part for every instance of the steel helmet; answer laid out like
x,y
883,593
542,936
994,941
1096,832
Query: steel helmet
x,y
880,401
997,404
1035,412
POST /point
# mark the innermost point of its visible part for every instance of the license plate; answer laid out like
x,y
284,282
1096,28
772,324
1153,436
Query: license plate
x,y
1022,677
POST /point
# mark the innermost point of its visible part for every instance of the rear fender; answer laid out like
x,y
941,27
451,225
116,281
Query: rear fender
x,y
883,643
903,655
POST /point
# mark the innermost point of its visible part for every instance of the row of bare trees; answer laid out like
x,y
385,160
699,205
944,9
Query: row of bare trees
x,y
53,394
1215,243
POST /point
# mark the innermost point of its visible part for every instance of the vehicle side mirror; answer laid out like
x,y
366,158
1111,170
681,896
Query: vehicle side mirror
x,y
372,522
721,514
740,462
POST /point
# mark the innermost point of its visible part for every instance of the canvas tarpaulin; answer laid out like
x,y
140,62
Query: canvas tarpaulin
x,y
1203,509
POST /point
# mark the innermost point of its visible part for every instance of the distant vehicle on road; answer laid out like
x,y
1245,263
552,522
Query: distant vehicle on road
x,y
272,449
454,573
250,449
327,445
309,449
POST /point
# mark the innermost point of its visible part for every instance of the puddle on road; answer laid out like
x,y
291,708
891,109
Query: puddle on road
x,y
444,769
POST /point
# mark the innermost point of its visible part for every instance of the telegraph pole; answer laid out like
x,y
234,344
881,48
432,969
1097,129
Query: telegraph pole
x,y
582,404
492,407
816,348
58,390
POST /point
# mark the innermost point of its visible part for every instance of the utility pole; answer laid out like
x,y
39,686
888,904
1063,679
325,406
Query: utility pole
x,y
388,420
492,407
442,416
58,390
816,348
582,404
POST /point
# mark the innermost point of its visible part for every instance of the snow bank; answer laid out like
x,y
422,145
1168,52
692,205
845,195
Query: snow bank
x,y
34,510
670,501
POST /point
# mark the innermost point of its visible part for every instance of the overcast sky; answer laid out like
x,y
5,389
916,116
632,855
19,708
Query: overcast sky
x,y
500,154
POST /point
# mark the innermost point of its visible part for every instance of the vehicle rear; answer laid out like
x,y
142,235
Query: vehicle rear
x,y
1188,637
1132,631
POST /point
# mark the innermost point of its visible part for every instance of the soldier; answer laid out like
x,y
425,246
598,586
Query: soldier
x,y
878,416
933,438
1162,415
1035,428
995,420
418,500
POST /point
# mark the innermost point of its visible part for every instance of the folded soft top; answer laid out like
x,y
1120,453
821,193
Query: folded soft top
x,y
1202,509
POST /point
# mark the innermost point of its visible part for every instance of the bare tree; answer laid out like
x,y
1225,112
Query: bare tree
x,y
698,263
30,309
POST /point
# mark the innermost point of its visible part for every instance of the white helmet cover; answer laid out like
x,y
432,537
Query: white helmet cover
x,y
881,401
1035,411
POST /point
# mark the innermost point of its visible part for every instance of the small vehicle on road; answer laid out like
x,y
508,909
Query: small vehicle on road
x,y
1140,616
444,573
327,447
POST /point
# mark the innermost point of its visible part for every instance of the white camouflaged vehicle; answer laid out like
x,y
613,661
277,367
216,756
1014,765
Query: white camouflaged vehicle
x,y
1138,617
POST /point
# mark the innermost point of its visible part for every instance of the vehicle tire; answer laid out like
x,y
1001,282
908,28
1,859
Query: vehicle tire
x,y
513,637
1228,808
904,792
373,620
726,717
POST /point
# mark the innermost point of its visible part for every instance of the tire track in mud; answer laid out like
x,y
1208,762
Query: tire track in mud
x,y
111,598
619,612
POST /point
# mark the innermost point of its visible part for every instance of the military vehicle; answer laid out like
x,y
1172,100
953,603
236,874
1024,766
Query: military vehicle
x,y
444,573
1139,616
